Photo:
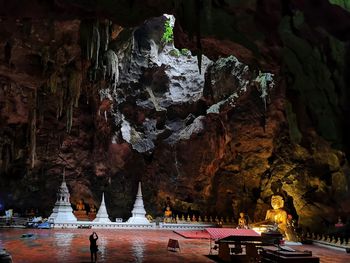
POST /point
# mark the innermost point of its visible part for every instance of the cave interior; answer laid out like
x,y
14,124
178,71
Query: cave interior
x,y
214,105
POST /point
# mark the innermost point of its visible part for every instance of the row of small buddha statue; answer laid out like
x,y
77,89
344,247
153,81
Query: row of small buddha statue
x,y
169,218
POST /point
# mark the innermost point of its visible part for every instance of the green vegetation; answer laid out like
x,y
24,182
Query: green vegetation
x,y
168,35
175,53
342,3
185,52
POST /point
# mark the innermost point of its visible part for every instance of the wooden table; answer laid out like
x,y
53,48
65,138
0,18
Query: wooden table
x,y
239,248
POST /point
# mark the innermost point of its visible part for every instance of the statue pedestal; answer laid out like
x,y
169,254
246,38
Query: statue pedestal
x,y
81,215
92,216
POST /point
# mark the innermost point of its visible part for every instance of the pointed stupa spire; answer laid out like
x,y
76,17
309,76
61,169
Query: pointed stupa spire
x,y
139,192
138,212
102,215
103,199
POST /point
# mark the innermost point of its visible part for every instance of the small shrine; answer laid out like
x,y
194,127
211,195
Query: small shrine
x,y
102,215
62,212
138,213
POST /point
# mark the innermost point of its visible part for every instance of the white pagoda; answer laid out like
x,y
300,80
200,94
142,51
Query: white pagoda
x,y
138,213
102,215
62,212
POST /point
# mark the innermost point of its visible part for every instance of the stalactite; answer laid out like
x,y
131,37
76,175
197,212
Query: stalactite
x,y
52,82
45,57
60,103
104,30
74,82
69,116
112,67
32,127
265,82
90,40
95,45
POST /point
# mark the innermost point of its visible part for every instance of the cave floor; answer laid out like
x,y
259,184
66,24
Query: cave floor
x,y
72,245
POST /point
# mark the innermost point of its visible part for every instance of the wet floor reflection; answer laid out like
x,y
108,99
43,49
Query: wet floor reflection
x,y
63,242
102,247
138,248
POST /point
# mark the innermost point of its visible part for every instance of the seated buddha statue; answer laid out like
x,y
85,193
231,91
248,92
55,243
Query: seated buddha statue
x,y
80,205
167,215
80,212
242,222
277,215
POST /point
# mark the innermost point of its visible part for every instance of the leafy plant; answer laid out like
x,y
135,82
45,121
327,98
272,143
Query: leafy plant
x,y
175,53
168,35
185,52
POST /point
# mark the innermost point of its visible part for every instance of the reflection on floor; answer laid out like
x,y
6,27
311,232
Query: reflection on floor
x,y
72,245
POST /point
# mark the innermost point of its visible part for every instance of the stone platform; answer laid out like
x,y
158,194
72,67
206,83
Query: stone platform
x,y
126,225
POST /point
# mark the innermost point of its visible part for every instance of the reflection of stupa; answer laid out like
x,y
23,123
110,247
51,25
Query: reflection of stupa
x,y
102,215
62,212
138,213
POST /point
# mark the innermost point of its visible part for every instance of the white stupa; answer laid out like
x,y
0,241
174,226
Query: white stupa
x,y
138,213
62,212
102,215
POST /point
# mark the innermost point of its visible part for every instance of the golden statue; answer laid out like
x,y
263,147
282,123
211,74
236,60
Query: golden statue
x,y
277,215
80,205
80,212
242,222
168,212
167,215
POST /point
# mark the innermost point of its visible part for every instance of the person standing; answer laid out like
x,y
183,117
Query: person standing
x,y
93,246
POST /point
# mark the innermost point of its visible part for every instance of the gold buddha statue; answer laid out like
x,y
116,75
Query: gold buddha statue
x,y
277,215
80,212
80,205
242,222
167,215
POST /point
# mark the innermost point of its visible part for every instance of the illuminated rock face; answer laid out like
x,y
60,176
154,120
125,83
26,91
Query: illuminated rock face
x,y
63,212
138,212
102,215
